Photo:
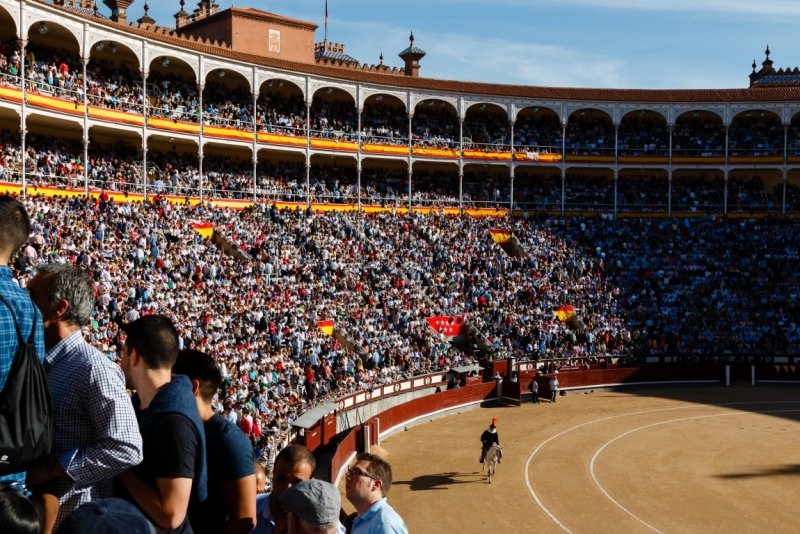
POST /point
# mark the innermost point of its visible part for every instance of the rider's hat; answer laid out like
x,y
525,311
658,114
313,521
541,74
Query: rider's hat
x,y
494,421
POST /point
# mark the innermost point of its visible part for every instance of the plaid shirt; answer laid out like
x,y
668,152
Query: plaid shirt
x,y
96,435
24,311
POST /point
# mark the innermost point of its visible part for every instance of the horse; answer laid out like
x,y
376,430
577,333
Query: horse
x,y
491,458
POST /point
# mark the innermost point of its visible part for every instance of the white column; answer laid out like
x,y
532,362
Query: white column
x,y
616,184
255,145
200,87
22,43
511,171
460,166
785,165
670,130
84,62
410,170
308,154
358,162
145,102
725,196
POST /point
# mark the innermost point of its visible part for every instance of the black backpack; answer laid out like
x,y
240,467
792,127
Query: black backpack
x,y
26,409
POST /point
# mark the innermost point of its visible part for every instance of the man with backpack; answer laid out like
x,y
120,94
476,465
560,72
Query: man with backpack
x,y
20,369
96,434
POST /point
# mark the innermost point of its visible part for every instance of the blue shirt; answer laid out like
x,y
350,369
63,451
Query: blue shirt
x,y
24,310
380,518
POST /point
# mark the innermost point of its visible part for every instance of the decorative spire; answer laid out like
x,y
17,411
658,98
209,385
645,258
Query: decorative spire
x,y
767,52
146,20
412,42
95,8
381,58
754,65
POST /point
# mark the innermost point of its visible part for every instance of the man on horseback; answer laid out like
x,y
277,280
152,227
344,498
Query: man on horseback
x,y
489,437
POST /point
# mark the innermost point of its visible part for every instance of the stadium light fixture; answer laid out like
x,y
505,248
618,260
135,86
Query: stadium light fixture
x,y
747,114
430,104
43,29
329,91
280,84
114,48
443,104
99,46
583,113
379,98
270,83
165,62
222,74
641,113
483,107
694,114
762,114
536,110
171,139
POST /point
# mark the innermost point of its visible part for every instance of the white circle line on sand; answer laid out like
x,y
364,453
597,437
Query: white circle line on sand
x,y
548,440
609,442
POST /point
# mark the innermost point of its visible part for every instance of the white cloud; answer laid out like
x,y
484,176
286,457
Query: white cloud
x,y
506,61
750,7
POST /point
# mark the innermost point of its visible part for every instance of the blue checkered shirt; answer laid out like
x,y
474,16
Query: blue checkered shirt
x,y
24,311
96,435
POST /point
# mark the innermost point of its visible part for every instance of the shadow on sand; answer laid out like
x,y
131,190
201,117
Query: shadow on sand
x,y
441,480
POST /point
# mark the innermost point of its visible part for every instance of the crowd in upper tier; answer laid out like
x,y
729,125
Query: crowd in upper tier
x,y
115,85
59,161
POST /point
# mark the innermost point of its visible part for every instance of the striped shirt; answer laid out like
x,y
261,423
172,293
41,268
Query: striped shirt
x,y
24,311
96,435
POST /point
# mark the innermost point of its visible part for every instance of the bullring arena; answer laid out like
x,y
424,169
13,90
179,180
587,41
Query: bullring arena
x,y
671,459
383,262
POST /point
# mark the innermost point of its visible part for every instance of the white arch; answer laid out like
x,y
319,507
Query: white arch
x,y
95,36
589,107
279,80
472,103
683,110
210,65
417,98
366,92
316,85
78,36
12,11
624,112
741,110
546,105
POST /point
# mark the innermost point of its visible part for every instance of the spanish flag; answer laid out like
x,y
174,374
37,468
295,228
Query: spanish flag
x,y
565,313
326,327
205,229
500,236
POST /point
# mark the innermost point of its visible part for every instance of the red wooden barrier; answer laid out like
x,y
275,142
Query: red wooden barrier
x,y
346,447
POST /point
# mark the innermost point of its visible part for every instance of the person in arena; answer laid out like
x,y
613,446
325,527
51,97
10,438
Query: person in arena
x,y
489,437
231,503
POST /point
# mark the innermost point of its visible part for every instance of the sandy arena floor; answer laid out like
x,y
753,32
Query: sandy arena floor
x,y
667,460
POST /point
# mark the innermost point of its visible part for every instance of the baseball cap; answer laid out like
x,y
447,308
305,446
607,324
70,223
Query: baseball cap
x,y
106,516
315,501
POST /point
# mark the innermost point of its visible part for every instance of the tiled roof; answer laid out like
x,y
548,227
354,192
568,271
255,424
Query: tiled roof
x,y
760,94
412,50
794,78
86,11
327,54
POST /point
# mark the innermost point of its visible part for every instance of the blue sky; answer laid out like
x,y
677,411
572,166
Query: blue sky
x,y
575,43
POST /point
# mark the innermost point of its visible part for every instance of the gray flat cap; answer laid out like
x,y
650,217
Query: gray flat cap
x,y
315,501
